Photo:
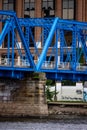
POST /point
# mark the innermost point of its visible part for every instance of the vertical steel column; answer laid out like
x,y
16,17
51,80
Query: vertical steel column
x,y
56,55
12,46
74,48
8,47
79,50
27,34
61,46
27,37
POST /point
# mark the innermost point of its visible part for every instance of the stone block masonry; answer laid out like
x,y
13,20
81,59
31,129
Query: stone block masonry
x,y
27,98
20,109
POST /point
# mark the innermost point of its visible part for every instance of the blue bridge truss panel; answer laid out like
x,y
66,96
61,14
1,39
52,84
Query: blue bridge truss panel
x,y
59,49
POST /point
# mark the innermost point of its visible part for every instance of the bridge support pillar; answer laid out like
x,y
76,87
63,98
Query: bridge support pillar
x,y
23,98
32,94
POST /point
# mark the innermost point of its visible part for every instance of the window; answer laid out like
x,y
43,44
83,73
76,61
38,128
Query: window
x,y
29,12
29,8
68,9
48,6
8,4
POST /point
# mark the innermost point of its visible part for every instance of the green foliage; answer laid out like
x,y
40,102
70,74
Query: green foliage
x,y
36,76
50,82
82,59
49,94
68,83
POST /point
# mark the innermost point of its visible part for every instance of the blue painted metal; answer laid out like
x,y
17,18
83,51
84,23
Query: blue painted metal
x,y
30,58
62,45
8,47
18,47
47,44
13,14
53,32
12,46
74,48
4,32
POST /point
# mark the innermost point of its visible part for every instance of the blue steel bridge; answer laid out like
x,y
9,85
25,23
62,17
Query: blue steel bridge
x,y
69,60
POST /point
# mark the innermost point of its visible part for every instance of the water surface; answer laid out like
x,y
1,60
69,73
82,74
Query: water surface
x,y
77,124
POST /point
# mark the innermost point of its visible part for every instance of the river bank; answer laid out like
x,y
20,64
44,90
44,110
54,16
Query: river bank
x,y
56,111
68,110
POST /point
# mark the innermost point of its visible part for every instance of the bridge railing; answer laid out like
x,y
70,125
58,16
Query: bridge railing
x,y
48,65
17,62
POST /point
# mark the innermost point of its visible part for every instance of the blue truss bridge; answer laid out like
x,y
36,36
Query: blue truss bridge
x,y
50,51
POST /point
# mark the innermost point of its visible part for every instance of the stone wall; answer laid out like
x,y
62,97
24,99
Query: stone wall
x,y
26,98
20,109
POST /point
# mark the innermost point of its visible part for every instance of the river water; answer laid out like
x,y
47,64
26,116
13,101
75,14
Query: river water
x,y
77,124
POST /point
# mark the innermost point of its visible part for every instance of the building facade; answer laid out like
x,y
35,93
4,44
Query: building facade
x,y
66,9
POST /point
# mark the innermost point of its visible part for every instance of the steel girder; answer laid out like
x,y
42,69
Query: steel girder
x,y
58,59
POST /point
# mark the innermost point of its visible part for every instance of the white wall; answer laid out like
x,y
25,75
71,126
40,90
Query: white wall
x,y
69,93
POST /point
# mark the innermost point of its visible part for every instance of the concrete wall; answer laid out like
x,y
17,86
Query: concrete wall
x,y
69,93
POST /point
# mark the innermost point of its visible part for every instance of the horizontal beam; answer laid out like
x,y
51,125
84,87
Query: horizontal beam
x,y
9,13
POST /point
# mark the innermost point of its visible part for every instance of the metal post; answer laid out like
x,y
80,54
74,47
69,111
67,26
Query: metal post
x,y
12,46
8,48
74,49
